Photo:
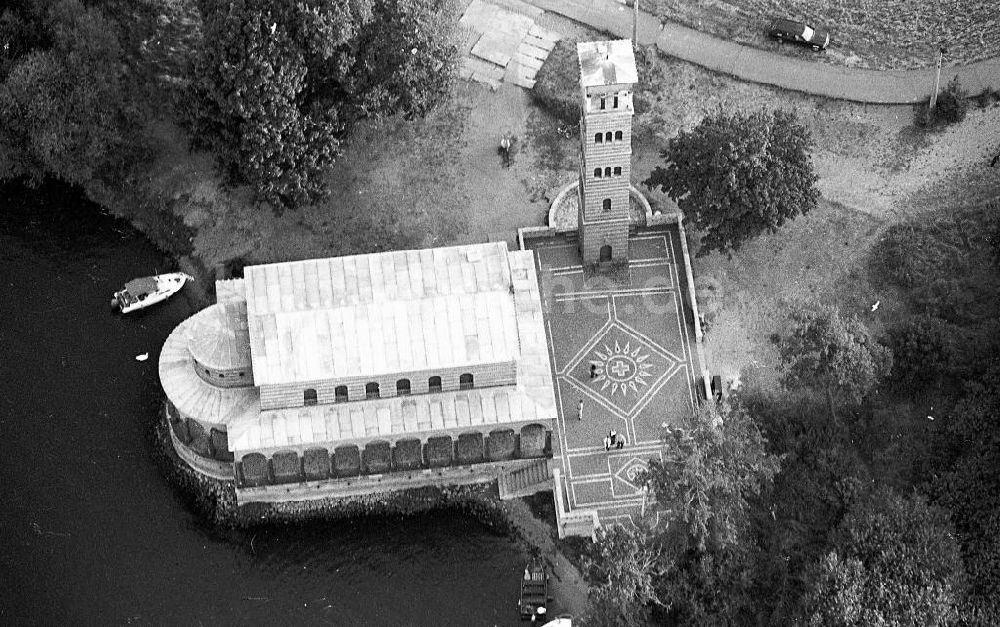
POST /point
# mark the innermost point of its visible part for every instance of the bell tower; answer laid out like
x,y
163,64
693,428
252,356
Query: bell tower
x,y
607,77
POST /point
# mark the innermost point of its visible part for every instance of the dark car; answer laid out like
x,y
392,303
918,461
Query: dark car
x,y
799,33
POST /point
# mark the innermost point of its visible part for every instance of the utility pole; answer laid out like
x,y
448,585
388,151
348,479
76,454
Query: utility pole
x,y
937,79
635,23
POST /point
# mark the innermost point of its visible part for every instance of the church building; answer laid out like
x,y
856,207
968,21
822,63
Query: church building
x,y
406,368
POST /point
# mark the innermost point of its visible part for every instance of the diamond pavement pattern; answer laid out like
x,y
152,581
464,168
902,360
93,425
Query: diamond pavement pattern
x,y
624,359
621,369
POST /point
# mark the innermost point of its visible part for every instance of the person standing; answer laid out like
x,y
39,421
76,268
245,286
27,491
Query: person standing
x,y
593,371
579,410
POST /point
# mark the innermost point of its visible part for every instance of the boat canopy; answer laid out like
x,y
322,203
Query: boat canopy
x,y
143,285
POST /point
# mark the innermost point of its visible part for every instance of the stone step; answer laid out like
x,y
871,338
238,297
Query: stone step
x,y
524,481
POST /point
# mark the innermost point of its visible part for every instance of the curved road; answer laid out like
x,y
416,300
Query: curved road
x,y
761,66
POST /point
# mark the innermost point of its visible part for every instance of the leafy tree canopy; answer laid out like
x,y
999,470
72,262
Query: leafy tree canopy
x,y
836,355
65,110
968,484
738,175
923,350
720,462
895,562
277,82
623,567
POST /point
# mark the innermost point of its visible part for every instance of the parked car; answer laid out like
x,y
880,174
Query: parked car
x,y
799,33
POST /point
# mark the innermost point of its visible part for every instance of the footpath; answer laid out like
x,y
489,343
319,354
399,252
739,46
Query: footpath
x,y
770,68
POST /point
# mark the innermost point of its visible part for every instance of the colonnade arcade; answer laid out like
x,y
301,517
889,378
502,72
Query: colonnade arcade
x,y
379,456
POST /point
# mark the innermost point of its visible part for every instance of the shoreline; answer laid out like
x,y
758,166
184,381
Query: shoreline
x,y
215,502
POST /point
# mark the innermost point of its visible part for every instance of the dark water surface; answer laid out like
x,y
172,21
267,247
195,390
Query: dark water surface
x,y
90,532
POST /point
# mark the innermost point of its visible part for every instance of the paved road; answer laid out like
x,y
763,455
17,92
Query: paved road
x,y
761,66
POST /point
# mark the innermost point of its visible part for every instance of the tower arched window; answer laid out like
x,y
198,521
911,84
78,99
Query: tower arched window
x,y
606,205
309,397
597,173
466,382
402,387
607,136
618,171
340,394
616,102
607,171
604,103
619,136
371,390
598,138
434,384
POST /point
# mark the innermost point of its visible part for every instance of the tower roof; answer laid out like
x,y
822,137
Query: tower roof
x,y
606,63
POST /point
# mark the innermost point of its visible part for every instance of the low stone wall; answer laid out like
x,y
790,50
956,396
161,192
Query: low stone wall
x,y
215,499
213,468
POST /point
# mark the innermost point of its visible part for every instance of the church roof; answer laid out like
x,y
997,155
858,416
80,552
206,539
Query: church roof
x,y
530,399
367,315
606,63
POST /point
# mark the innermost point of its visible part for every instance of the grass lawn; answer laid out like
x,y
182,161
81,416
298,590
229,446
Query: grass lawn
x,y
864,33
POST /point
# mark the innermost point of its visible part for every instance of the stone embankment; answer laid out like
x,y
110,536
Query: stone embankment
x,y
215,501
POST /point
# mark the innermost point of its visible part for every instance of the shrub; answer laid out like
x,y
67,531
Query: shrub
x,y
952,105
922,348
910,255
557,84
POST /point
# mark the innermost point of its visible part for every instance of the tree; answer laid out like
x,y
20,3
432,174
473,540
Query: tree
x,y
968,484
895,562
720,461
65,111
832,354
737,176
622,568
250,100
407,59
922,350
277,83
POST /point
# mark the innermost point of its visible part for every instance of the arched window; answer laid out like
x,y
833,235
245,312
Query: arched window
x,y
607,136
597,174
603,103
465,382
598,138
607,171
616,102
618,171
434,384
309,397
402,387
371,390
619,136
607,204
340,394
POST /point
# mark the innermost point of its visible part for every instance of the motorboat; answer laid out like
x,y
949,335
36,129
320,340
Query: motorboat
x,y
534,592
148,290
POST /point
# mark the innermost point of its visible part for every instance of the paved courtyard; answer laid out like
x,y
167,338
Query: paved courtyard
x,y
621,344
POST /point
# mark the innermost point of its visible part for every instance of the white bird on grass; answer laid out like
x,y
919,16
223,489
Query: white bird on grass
x,y
875,306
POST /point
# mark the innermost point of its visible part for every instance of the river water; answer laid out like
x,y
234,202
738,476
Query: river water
x,y
90,532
